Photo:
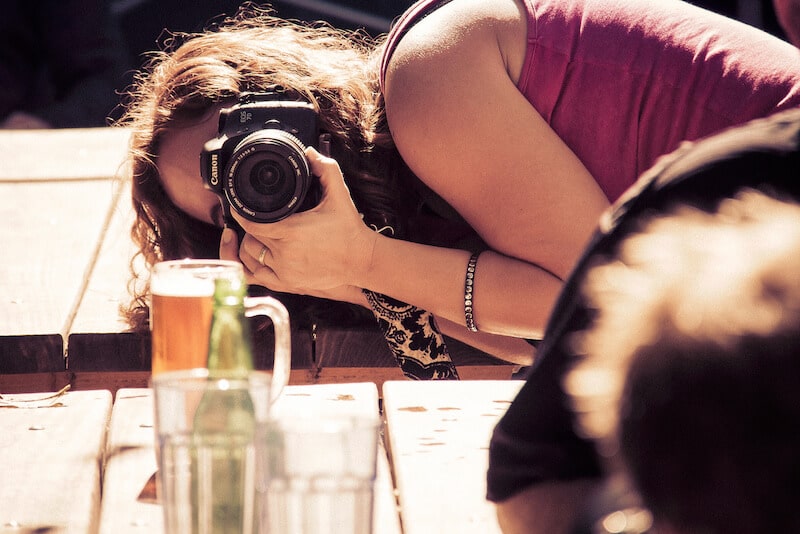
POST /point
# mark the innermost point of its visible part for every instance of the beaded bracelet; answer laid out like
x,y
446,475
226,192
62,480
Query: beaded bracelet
x,y
469,284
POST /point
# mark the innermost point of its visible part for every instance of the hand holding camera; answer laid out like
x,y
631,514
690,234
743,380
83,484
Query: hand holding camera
x,y
258,166
315,252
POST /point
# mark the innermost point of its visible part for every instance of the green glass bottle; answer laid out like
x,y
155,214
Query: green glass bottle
x,y
225,423
229,351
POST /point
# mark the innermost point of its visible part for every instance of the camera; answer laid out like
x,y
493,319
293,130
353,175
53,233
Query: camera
x,y
256,164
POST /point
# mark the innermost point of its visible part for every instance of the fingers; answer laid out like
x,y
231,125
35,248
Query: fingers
x,y
229,245
229,249
260,274
254,254
330,175
317,161
260,231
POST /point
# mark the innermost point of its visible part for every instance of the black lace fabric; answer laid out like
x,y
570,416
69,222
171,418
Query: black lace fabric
x,y
413,338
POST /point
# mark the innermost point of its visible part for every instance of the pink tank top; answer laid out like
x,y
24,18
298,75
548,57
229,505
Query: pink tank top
x,y
622,83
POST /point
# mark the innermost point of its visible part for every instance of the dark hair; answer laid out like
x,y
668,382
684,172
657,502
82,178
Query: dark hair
x,y
710,433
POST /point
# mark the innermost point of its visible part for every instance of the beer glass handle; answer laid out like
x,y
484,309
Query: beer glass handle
x,y
282,365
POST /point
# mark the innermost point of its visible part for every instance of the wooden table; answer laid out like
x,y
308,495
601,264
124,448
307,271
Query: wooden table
x,y
51,453
438,435
432,479
65,203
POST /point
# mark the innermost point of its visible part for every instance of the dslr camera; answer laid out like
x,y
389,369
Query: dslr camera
x,y
256,164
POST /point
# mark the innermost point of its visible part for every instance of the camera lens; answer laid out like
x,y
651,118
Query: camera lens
x,y
267,186
267,176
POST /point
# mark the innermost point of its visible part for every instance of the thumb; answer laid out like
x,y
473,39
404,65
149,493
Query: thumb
x,y
229,245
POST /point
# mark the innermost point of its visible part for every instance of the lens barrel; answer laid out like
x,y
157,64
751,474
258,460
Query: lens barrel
x,y
267,176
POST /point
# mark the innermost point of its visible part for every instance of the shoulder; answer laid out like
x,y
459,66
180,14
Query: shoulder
x,y
440,76
447,63
493,30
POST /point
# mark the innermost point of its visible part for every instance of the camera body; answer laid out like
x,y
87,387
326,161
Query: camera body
x,y
256,164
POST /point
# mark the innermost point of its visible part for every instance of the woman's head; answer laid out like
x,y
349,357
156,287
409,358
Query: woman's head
x,y
173,108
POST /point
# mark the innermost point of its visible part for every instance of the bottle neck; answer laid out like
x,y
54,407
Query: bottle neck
x,y
229,351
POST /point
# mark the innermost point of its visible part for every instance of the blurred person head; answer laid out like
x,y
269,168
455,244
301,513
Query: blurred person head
x,y
690,379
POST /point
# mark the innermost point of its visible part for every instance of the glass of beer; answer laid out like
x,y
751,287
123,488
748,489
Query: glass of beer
x,y
181,308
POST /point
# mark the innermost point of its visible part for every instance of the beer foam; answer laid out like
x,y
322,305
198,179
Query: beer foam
x,y
179,285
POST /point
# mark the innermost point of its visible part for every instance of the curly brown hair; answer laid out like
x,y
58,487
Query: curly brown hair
x,y
336,70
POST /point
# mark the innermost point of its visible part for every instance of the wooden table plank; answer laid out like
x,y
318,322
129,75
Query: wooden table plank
x,y
131,459
62,154
50,457
128,351
31,353
107,287
130,462
439,436
52,232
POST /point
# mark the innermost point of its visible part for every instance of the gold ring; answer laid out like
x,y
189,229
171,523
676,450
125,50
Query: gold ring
x,y
262,254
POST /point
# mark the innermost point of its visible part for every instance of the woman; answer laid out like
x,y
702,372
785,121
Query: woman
x,y
496,125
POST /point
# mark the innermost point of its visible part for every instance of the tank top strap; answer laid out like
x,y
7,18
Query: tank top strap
x,y
411,16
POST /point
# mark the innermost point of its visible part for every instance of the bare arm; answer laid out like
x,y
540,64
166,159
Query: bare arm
x,y
546,508
510,349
